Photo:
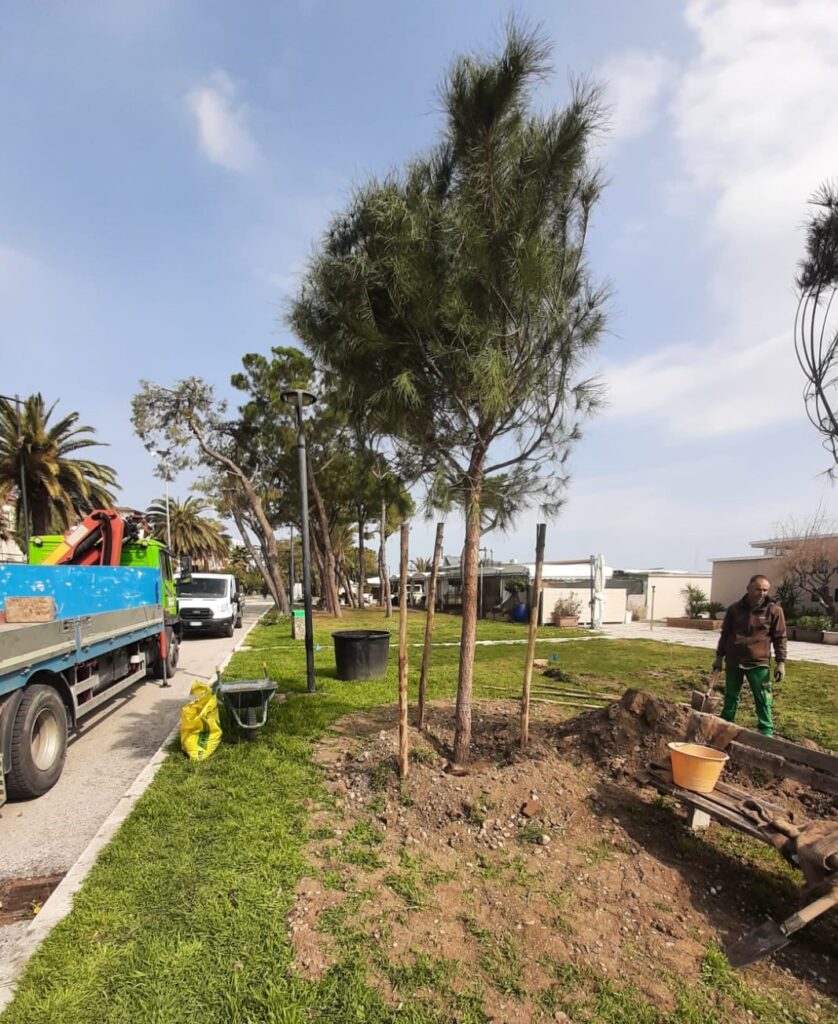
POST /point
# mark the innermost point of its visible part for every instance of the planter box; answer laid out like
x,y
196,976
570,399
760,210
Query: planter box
x,y
566,621
830,636
809,636
706,624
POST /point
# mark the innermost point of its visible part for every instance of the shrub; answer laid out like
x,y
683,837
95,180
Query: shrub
x,y
570,606
695,601
814,622
714,607
787,597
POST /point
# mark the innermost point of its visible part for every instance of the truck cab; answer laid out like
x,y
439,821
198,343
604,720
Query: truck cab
x,y
210,603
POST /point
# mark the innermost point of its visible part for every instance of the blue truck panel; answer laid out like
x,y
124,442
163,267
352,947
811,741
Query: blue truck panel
x,y
82,590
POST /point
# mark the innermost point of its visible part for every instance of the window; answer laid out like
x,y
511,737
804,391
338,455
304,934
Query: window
x,y
206,587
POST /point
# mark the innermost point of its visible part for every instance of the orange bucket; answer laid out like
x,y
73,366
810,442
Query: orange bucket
x,y
695,766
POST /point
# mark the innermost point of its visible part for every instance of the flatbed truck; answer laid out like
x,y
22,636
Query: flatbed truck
x,y
112,625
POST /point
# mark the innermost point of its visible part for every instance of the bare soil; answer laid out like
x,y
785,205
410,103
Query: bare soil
x,y
551,864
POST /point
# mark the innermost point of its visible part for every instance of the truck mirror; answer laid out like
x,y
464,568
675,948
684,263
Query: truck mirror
x,y
185,568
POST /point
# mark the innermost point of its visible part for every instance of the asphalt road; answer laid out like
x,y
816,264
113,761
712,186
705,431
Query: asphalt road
x,y
46,836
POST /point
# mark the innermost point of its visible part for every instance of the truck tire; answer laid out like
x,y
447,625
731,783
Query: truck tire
x,y
227,629
238,622
172,657
39,743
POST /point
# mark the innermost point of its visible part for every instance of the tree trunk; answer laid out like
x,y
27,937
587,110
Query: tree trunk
x,y
403,573
535,601
328,555
471,552
347,586
430,611
362,575
279,598
383,571
317,556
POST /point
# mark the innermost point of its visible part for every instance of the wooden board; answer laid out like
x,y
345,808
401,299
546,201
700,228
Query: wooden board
x,y
784,767
30,609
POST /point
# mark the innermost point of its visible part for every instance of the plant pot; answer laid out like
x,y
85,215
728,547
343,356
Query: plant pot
x,y
566,621
809,636
830,636
361,653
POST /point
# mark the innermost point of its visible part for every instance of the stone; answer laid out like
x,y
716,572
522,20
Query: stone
x,y
532,809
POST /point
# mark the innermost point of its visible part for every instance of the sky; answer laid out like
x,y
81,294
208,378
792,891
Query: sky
x,y
167,167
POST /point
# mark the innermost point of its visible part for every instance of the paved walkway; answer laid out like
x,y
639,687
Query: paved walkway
x,y
823,654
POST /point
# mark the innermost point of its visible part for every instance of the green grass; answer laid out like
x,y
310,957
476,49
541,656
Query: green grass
x,y
183,918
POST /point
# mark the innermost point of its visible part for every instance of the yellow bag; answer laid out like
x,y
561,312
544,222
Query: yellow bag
x,y
200,729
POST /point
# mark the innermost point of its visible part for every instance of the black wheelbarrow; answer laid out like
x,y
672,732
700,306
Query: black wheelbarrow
x,y
245,702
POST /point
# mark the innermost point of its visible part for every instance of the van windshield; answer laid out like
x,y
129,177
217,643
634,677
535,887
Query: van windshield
x,y
197,587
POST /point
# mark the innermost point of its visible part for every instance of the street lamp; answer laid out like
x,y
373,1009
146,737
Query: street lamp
x,y
300,399
164,455
23,496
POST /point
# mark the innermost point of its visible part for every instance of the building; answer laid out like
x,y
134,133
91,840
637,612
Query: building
x,y
659,592
731,575
9,550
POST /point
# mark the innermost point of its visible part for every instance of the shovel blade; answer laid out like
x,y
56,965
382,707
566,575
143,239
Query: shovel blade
x,y
760,942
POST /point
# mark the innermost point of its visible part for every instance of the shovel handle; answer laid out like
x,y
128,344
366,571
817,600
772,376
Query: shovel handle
x,y
810,912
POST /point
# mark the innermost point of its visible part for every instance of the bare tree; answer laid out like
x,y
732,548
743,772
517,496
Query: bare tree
x,y
815,324
809,559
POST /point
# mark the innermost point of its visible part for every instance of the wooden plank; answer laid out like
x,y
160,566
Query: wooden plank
x,y
30,609
542,688
783,768
795,752
790,751
704,803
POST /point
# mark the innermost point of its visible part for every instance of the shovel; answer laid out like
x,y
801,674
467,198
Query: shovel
x,y
706,702
770,937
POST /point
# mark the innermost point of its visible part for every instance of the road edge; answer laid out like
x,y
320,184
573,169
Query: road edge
x,y
60,902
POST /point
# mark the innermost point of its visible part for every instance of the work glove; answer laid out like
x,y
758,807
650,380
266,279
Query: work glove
x,y
717,665
779,672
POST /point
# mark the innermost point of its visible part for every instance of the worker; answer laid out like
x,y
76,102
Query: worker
x,y
749,629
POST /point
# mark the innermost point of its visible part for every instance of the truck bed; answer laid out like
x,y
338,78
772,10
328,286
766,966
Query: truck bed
x,y
58,645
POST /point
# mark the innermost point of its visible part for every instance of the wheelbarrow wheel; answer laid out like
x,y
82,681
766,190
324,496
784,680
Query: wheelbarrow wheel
x,y
250,720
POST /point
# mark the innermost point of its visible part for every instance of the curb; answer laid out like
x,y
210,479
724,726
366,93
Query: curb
x,y
60,901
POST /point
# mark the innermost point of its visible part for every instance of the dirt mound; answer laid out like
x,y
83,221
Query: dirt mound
x,y
539,886
628,734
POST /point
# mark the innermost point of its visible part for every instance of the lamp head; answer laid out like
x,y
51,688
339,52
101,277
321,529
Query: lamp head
x,y
298,397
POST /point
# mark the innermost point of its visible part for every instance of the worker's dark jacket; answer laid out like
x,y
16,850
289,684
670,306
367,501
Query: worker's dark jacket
x,y
748,633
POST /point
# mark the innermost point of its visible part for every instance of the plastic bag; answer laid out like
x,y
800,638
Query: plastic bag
x,y
200,728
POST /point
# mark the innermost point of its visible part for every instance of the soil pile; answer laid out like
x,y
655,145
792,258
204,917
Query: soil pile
x,y
541,884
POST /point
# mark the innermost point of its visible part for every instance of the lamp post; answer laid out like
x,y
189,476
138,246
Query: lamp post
x,y
164,455
299,399
24,498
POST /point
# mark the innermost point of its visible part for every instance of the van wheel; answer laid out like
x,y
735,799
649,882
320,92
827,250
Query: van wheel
x,y
239,621
228,629
39,743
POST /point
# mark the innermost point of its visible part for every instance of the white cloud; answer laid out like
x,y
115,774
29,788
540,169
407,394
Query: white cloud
x,y
635,83
757,129
222,123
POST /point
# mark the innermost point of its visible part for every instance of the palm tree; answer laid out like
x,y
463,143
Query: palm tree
x,y
193,534
60,489
421,564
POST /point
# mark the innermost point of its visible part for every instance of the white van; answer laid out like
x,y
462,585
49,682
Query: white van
x,y
210,603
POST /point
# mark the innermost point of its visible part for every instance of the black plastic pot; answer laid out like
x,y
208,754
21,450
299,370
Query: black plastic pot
x,y
361,653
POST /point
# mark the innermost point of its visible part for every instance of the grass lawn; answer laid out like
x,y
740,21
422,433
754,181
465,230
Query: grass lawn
x,y
184,916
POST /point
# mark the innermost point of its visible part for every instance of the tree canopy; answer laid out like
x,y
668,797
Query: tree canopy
x,y
60,487
453,302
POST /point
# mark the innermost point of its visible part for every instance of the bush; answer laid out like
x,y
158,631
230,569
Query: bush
x,y
787,597
714,607
695,601
569,606
814,622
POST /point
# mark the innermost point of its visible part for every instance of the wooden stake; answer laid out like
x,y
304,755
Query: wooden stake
x,y
429,626
540,532
403,761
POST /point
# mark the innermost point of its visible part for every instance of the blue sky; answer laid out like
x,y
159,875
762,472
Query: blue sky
x,y
167,167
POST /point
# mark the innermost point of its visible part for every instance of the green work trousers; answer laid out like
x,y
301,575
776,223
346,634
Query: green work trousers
x,y
759,679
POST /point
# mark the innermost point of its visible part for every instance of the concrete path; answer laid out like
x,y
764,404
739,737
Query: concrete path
x,y
823,654
109,763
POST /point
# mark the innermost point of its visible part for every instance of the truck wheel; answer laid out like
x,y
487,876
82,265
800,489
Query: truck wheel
x,y
227,629
39,743
239,621
172,657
